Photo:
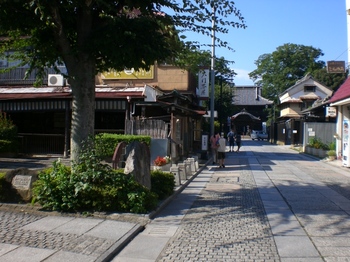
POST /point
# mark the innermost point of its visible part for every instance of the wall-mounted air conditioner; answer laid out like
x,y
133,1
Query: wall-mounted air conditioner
x,y
55,80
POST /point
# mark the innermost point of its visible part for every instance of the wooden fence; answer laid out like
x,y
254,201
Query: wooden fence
x,y
152,128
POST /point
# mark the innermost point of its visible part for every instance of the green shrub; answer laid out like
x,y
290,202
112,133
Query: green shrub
x,y
316,142
331,153
106,143
8,134
331,146
163,183
91,186
2,181
9,146
7,193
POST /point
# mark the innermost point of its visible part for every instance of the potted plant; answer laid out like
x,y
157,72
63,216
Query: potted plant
x,y
322,152
331,154
162,163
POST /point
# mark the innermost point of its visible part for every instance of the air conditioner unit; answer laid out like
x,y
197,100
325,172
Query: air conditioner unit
x,y
55,80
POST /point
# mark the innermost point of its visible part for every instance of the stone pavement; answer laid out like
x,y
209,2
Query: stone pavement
x,y
31,238
270,203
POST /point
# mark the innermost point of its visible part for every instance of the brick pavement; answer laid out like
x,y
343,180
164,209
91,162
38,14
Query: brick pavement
x,y
270,203
227,222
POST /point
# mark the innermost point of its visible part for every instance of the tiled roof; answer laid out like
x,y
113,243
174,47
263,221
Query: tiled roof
x,y
247,96
343,92
243,112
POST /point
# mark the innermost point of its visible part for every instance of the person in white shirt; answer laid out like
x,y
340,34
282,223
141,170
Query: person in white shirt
x,y
221,151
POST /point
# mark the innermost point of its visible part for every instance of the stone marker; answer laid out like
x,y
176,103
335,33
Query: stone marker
x,y
182,171
137,162
187,168
196,162
21,180
192,165
175,171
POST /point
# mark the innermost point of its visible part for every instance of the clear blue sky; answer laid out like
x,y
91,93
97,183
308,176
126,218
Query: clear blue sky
x,y
272,23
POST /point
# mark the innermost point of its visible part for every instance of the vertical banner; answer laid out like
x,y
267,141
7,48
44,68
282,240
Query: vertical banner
x,y
203,83
346,161
204,142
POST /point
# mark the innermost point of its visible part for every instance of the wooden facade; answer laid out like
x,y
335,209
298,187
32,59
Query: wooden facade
x,y
140,106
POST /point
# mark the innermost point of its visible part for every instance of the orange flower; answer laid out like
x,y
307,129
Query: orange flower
x,y
160,161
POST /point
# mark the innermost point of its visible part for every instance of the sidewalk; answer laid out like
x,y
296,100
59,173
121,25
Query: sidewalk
x,y
30,235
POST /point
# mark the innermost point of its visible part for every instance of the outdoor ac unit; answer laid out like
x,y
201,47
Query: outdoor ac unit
x,y
55,80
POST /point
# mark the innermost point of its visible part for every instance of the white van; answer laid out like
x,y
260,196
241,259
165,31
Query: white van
x,y
260,135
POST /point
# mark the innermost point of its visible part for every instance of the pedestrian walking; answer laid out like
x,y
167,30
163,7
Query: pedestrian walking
x,y
238,140
214,146
231,140
222,151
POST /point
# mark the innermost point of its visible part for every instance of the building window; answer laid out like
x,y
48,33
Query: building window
x,y
306,104
309,89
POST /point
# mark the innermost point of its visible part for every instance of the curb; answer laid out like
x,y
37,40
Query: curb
x,y
120,244
178,191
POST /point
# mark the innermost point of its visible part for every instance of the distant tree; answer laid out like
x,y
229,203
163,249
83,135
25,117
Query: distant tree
x,y
282,68
330,80
224,102
91,36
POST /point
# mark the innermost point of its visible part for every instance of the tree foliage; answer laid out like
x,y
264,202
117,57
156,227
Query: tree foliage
x,y
332,80
91,36
282,68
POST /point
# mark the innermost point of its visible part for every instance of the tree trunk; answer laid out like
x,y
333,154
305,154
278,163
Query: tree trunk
x,y
83,107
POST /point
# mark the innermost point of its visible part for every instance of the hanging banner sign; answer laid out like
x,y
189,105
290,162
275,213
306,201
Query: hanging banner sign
x,y
203,83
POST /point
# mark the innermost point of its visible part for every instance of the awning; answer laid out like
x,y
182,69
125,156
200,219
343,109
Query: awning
x,y
21,93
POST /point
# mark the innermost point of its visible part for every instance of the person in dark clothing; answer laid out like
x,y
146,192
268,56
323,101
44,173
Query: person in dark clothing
x,y
238,140
231,140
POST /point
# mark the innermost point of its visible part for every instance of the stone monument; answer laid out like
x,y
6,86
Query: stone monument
x,y
138,162
21,180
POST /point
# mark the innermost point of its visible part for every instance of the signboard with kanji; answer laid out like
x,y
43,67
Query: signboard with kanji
x,y
129,74
203,83
336,67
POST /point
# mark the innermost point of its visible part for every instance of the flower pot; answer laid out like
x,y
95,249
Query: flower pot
x,y
322,153
331,158
165,168
308,150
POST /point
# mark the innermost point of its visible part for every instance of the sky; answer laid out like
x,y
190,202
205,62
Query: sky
x,y
273,23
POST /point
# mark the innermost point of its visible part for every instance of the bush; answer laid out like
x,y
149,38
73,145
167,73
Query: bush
x,y
58,188
91,186
8,135
316,142
331,153
7,193
106,143
331,146
163,183
7,146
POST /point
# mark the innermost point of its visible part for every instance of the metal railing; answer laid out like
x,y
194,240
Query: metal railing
x,y
41,143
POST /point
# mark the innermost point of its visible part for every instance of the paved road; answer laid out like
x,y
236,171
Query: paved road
x,y
270,203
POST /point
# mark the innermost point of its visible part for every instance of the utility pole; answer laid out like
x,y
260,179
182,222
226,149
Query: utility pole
x,y
220,106
212,70
347,3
